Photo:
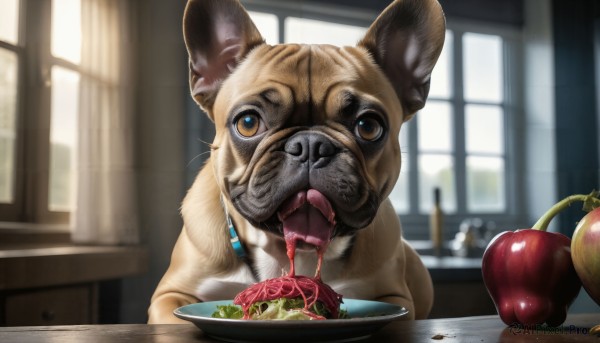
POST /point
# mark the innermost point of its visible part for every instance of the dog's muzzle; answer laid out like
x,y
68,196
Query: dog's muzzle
x,y
311,188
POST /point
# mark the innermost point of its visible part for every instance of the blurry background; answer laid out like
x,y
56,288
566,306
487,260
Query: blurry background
x,y
99,140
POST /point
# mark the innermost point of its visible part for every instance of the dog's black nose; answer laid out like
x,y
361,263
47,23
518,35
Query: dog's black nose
x,y
314,147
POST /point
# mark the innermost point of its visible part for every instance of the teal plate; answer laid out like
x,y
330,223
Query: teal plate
x,y
366,317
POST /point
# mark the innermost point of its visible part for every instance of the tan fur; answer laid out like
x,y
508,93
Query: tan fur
x,y
380,265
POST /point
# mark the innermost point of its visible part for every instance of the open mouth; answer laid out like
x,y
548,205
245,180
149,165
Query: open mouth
x,y
308,217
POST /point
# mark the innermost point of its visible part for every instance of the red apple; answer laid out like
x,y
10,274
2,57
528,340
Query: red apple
x,y
530,277
585,252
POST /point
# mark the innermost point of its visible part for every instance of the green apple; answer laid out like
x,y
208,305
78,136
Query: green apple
x,y
585,251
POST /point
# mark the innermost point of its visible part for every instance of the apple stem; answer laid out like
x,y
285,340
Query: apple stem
x,y
590,201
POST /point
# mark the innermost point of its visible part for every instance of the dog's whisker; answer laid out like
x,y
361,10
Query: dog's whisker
x,y
197,157
203,141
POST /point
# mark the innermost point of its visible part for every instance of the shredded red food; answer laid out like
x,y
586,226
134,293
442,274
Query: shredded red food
x,y
293,286
310,289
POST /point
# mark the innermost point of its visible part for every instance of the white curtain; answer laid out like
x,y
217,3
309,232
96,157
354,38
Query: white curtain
x,y
106,211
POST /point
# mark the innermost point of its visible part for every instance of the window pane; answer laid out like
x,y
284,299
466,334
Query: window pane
x,y
482,65
9,21
66,30
435,127
8,116
268,26
441,77
308,31
436,170
485,184
399,195
63,137
484,129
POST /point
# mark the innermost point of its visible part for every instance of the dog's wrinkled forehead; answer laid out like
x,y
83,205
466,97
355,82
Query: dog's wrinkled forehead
x,y
309,85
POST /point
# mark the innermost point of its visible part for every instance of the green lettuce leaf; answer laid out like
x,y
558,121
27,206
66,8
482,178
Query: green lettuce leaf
x,y
228,312
279,309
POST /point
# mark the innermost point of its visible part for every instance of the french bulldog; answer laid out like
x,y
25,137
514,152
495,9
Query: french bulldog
x,y
306,145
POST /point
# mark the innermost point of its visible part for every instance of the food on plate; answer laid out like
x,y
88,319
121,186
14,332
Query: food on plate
x,y
285,298
289,297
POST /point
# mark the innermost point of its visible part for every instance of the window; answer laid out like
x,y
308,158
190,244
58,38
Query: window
x,y
9,69
459,141
309,31
40,52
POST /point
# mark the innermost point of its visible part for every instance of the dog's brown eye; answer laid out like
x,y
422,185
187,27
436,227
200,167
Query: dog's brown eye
x,y
368,128
248,125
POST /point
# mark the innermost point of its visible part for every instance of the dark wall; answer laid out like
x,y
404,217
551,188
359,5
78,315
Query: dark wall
x,y
575,107
504,12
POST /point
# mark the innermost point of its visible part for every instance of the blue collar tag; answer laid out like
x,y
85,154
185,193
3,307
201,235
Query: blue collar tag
x,y
235,240
233,236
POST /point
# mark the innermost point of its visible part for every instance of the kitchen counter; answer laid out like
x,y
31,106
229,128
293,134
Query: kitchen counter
x,y
457,283
59,284
451,268
448,267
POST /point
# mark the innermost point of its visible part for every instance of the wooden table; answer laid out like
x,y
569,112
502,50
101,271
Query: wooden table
x,y
469,329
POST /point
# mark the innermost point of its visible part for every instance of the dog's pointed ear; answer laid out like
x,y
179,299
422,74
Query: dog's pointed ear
x,y
218,34
406,41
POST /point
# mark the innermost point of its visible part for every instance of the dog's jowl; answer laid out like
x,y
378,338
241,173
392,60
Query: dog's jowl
x,y
306,145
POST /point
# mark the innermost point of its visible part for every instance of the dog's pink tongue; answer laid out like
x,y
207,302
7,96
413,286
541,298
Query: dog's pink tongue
x,y
308,216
